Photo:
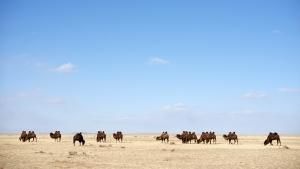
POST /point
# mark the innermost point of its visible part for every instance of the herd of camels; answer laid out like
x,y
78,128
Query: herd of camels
x,y
185,137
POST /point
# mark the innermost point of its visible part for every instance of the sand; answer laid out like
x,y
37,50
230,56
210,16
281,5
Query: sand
x,y
142,151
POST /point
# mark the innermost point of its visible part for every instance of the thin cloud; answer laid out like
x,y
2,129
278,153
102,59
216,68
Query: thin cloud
x,y
289,90
254,95
177,107
65,68
158,61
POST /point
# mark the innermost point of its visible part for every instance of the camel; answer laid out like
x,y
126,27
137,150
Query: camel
x,y
56,136
164,136
118,136
231,136
187,137
179,136
183,136
207,137
78,137
31,135
212,136
271,137
203,138
101,136
23,136
193,136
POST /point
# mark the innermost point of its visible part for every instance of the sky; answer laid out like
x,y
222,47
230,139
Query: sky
x,y
150,66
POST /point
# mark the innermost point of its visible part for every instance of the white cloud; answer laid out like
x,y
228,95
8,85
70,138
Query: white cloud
x,y
177,107
254,95
289,90
275,31
158,61
65,68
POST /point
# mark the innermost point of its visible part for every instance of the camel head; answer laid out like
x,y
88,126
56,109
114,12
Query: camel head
x,y
266,142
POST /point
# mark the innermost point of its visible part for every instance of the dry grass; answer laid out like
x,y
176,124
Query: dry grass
x,y
142,151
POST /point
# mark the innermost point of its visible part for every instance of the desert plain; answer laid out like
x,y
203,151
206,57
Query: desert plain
x,y
140,151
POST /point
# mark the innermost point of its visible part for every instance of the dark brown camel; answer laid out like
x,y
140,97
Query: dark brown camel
x,y
231,136
56,136
101,136
193,136
23,136
118,136
179,136
271,137
212,137
78,137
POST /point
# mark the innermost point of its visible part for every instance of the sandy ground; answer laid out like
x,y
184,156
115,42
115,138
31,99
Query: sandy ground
x,y
142,151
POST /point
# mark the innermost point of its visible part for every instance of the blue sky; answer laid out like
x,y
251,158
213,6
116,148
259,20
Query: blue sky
x,y
150,66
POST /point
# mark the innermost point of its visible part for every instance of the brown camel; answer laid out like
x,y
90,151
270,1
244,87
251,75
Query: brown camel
x,y
183,136
271,137
23,136
56,136
31,135
101,136
163,137
231,136
203,138
118,136
78,137
187,137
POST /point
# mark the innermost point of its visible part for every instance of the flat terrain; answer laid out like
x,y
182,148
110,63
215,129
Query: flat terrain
x,y
142,151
